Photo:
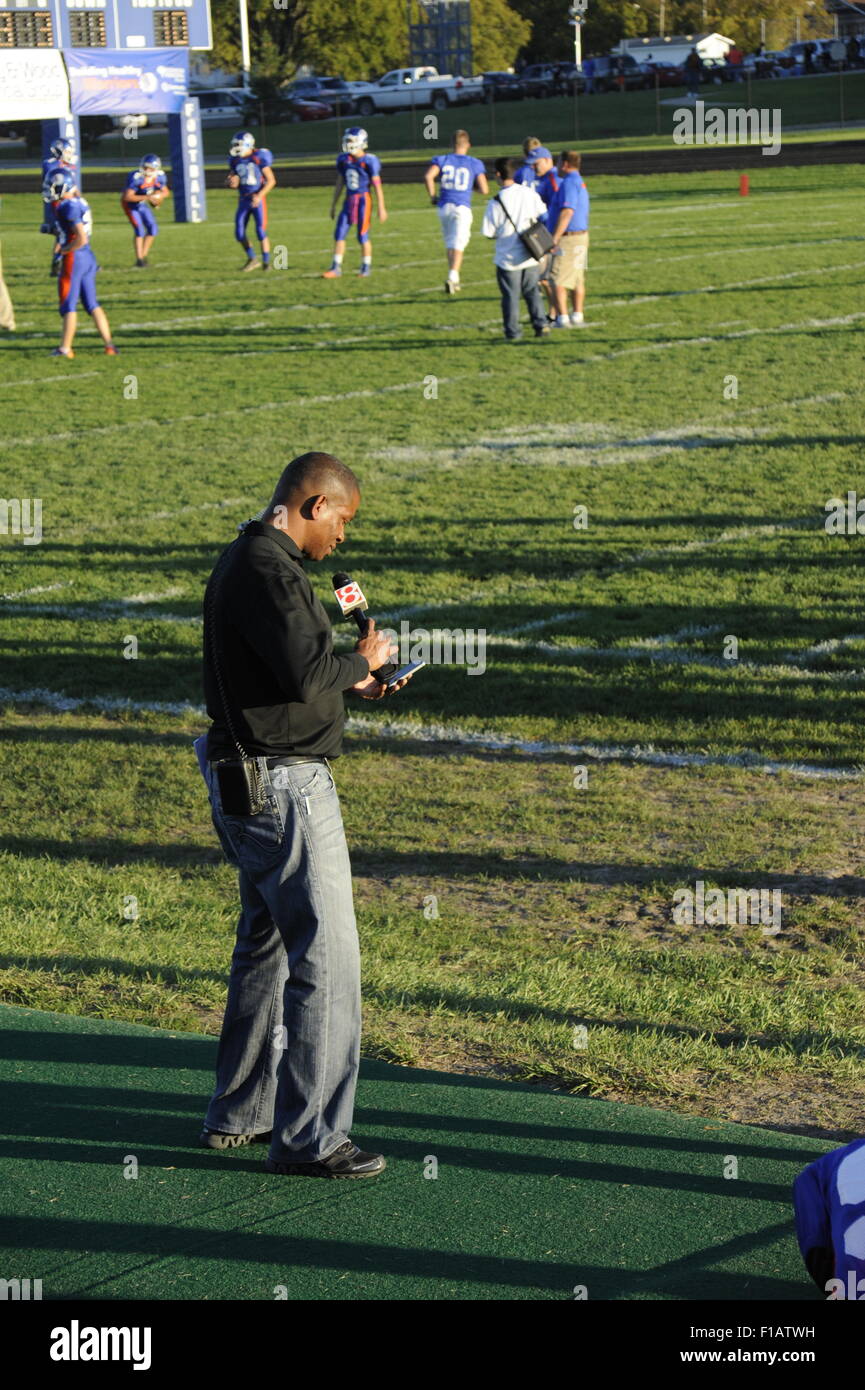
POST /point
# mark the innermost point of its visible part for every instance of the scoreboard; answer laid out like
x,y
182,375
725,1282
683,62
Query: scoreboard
x,y
117,24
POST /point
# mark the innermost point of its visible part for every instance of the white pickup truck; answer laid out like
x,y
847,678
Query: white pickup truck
x,y
416,87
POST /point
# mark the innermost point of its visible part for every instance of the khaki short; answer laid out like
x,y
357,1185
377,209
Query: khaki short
x,y
568,270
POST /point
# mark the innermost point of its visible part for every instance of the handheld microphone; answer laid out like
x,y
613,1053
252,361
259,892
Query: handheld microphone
x,y
353,605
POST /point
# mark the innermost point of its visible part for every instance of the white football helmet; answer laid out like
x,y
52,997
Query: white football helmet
x,y
242,143
150,164
355,140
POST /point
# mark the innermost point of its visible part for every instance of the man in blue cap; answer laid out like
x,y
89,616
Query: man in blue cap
x,y
568,223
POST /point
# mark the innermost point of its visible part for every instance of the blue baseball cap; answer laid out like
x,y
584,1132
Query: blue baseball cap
x,y
540,153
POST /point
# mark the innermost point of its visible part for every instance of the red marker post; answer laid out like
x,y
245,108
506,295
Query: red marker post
x,y
744,185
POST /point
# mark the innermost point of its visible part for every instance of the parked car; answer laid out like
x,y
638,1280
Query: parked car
x,y
226,106
545,79
419,87
299,109
608,69
333,91
668,74
502,86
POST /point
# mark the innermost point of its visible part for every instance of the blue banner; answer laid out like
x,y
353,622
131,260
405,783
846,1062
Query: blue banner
x,y
112,82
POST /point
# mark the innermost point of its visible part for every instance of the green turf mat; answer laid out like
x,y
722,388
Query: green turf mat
x,y
536,1192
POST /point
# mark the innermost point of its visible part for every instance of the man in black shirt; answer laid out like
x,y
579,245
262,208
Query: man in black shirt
x,y
290,1044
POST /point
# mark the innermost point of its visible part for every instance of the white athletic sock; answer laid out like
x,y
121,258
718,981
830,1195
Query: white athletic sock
x,y
454,275
367,258
337,260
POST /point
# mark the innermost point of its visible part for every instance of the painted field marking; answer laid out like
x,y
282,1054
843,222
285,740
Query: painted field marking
x,y
398,730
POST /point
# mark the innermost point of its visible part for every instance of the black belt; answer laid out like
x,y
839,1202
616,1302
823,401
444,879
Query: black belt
x,y
281,759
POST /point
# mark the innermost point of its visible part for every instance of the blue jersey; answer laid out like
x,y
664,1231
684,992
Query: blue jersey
x,y
358,171
67,213
248,168
571,193
51,166
547,187
139,182
458,175
526,174
829,1203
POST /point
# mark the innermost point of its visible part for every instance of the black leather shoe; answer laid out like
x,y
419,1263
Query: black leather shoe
x,y
348,1161
215,1139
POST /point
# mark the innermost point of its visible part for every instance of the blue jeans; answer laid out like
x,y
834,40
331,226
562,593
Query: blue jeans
x,y
290,1045
516,285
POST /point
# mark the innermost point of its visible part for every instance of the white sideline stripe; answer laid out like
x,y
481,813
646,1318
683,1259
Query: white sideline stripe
x,y
109,610
38,589
43,381
26,441
599,437
643,650
627,303
737,533
449,733
734,285
663,648
840,321
832,644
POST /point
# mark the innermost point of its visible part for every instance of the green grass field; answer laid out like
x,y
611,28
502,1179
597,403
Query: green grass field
x,y
607,646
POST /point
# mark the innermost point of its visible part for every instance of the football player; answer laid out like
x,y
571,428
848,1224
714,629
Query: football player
x,y
251,174
74,222
460,174
358,172
61,155
146,187
526,172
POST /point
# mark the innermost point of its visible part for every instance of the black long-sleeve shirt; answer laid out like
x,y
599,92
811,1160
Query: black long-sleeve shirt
x,y
283,682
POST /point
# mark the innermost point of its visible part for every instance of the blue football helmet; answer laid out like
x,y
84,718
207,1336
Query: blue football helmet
x,y
355,140
150,164
242,143
63,149
57,185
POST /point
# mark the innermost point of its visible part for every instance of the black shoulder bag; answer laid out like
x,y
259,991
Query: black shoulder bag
x,y
241,787
536,238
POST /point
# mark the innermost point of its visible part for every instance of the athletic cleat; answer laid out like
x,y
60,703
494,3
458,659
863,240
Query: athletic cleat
x,y
62,352
365,270
252,264
450,287
543,331
267,266
332,274
577,317
110,350
215,1139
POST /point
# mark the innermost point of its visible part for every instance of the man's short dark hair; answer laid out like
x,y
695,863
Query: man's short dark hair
x,y
572,158
506,166
314,474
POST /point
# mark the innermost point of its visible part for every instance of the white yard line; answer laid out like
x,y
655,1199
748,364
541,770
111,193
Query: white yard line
x,y
398,729
38,589
25,441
